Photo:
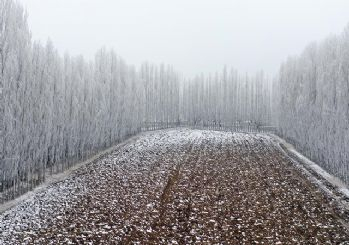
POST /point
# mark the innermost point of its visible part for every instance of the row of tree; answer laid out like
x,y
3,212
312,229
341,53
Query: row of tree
x,y
56,110
313,101
227,98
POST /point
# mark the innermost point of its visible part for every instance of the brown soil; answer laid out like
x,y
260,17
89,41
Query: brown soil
x,y
210,189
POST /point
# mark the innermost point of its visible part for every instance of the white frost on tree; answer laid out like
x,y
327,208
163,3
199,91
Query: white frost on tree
x,y
56,110
313,95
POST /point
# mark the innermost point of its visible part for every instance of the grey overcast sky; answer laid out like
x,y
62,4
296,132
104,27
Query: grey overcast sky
x,y
193,35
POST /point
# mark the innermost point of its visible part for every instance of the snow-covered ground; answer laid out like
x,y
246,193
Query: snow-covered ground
x,y
181,186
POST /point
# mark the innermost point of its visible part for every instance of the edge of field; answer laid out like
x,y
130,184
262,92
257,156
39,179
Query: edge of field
x,y
332,187
52,179
326,179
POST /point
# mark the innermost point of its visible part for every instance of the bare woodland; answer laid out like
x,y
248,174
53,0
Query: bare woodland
x,y
56,110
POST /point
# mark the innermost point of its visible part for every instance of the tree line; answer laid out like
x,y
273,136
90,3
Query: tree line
x,y
56,110
227,98
313,103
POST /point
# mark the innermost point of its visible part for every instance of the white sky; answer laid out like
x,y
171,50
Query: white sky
x,y
193,35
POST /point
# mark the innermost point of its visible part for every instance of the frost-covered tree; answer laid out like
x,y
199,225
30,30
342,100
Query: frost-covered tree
x,y
227,98
313,94
58,110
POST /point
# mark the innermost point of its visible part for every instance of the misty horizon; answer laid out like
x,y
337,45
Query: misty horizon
x,y
195,38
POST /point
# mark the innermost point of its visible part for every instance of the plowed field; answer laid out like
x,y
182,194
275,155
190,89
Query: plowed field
x,y
181,187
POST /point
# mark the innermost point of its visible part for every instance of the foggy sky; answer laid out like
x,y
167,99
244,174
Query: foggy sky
x,y
193,35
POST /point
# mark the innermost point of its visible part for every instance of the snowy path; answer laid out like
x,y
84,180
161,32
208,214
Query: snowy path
x,y
181,187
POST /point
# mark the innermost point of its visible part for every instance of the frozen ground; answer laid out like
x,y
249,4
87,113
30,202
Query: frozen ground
x,y
182,187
